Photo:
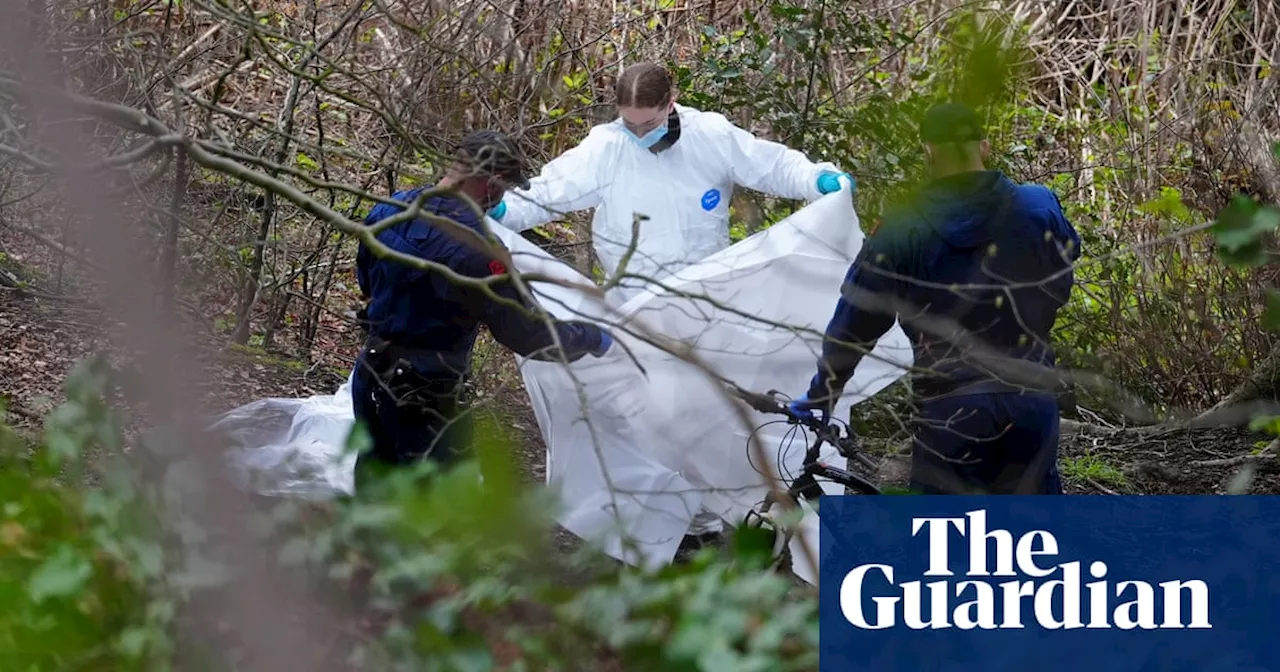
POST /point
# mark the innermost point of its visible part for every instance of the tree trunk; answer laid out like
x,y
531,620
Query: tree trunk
x,y
276,316
249,294
314,312
244,313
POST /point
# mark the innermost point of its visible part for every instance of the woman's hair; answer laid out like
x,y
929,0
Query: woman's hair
x,y
643,85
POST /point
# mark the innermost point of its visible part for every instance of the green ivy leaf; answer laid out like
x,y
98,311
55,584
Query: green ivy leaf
x,y
753,545
1239,230
1168,204
62,574
782,11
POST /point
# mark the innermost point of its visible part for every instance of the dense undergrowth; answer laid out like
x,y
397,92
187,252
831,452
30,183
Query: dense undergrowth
x,y
463,570
1138,139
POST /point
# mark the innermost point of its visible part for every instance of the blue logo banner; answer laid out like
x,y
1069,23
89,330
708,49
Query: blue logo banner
x,y
1093,583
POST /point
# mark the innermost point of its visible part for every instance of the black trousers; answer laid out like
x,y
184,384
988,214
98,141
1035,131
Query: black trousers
x,y
409,416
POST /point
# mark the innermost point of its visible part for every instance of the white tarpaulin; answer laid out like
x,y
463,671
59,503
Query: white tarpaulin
x,y
636,454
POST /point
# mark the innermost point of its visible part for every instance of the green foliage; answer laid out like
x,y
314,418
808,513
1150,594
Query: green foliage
x,y
75,565
710,617
1240,231
86,581
1271,316
981,60
1269,424
306,163
1091,467
738,73
1166,321
488,536
874,135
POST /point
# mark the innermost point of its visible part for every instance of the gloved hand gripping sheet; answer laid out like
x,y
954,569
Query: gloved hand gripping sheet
x,y
649,448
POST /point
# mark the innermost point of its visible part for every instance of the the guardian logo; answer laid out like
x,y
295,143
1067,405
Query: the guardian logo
x,y
987,604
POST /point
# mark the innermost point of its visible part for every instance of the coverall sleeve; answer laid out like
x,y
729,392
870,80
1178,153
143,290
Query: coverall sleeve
x,y
570,182
864,313
767,166
523,327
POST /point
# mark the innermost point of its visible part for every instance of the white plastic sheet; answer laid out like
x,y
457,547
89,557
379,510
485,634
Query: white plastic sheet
x,y
636,454
293,447
754,314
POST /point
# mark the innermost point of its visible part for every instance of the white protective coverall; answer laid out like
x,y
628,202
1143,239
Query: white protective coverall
x,y
685,190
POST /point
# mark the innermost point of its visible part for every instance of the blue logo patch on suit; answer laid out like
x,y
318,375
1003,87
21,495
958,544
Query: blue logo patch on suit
x,y
710,199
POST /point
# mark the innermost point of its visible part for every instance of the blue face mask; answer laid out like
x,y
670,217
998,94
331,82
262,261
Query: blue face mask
x,y
648,139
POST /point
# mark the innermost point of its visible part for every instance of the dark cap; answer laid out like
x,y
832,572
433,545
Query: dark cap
x,y
951,122
492,153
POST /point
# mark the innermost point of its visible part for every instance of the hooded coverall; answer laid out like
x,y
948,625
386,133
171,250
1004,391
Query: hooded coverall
x,y
428,322
993,257
684,190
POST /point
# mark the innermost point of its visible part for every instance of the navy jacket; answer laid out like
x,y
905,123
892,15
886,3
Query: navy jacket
x,y
961,231
439,318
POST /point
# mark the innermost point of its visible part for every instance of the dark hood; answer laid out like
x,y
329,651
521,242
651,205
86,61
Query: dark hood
x,y
965,209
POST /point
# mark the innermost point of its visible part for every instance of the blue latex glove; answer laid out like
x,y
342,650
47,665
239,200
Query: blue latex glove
x,y
829,182
803,408
606,342
498,211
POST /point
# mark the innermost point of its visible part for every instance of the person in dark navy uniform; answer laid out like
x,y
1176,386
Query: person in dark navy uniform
x,y
976,268
409,383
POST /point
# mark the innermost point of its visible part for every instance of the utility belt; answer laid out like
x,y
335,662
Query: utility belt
x,y
985,387
392,366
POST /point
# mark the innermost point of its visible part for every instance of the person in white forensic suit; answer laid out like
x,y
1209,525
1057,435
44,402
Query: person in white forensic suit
x,y
674,164
677,165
